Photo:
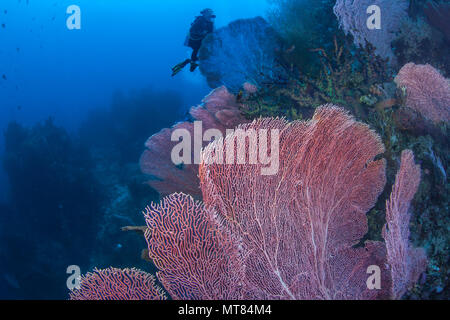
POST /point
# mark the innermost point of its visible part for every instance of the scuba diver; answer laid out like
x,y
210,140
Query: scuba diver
x,y
200,28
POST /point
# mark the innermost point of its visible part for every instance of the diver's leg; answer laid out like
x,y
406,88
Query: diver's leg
x,y
194,57
195,48
180,66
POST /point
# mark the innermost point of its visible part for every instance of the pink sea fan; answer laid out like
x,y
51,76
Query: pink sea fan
x,y
298,227
293,234
196,258
219,111
406,263
352,16
118,284
427,91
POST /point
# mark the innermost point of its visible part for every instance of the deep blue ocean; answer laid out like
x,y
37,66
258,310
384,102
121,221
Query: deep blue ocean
x,y
123,48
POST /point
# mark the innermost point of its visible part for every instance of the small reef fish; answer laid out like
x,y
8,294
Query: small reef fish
x,y
290,49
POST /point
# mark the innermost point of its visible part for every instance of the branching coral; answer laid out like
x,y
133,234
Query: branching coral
x,y
345,78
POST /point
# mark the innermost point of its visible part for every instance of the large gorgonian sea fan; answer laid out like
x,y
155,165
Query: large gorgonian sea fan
x,y
297,227
291,235
118,284
352,16
427,91
219,110
406,262
243,51
196,257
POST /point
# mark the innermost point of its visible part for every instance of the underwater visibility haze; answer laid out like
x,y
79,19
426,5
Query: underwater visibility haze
x,y
224,150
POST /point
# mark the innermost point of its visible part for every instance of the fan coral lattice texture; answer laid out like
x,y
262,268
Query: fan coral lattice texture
x,y
195,258
427,91
118,284
298,227
291,235
219,111
245,50
352,15
406,263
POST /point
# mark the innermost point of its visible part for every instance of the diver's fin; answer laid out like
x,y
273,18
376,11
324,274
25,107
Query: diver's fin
x,y
174,72
193,66
180,66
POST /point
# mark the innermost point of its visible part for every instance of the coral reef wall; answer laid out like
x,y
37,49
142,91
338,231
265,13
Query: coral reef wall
x,y
289,235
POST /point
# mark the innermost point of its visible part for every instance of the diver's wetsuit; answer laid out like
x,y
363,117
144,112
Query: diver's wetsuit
x,y
200,28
